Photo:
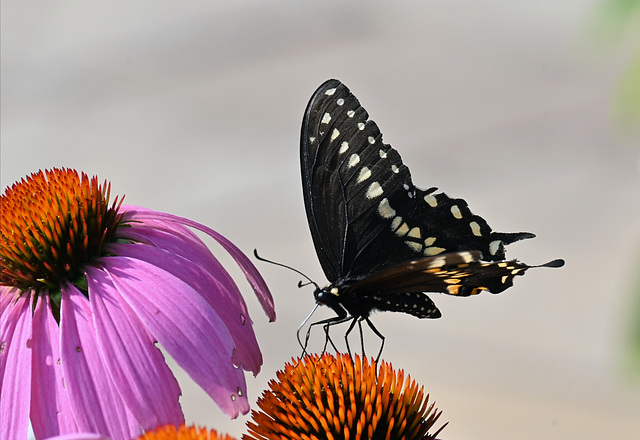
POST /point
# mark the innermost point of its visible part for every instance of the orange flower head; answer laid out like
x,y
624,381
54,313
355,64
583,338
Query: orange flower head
x,y
170,432
330,397
53,222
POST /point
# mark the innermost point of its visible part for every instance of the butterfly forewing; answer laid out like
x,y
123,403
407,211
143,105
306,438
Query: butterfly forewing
x,y
364,212
344,167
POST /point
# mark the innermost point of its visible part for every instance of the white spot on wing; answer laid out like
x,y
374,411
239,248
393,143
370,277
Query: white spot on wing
x,y
360,125
395,169
353,160
312,139
326,118
385,210
383,154
334,134
431,200
466,257
330,92
429,241
395,223
365,173
456,211
402,230
417,247
350,113
375,190
415,233
475,228
437,262
371,140
343,147
340,101
433,250
494,246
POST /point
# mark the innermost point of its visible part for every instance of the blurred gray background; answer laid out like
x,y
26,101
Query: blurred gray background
x,y
195,109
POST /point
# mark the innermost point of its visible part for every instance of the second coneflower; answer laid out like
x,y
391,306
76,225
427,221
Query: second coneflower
x,y
86,291
327,397
182,432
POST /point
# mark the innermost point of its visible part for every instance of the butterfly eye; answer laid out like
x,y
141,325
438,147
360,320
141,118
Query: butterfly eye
x,y
325,297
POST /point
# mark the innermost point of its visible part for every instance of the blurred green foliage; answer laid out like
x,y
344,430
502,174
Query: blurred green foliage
x,y
617,22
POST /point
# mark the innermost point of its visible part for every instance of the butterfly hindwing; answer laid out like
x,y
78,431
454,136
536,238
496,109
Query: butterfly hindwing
x,y
459,273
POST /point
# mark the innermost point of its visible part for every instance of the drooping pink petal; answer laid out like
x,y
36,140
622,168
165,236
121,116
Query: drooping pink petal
x,y
96,404
15,363
212,289
50,409
185,325
251,273
137,367
178,239
79,436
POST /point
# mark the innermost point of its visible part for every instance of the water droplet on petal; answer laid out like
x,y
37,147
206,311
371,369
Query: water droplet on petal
x,y
239,392
233,397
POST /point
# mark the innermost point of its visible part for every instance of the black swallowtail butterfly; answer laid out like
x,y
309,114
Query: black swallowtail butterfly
x,y
382,241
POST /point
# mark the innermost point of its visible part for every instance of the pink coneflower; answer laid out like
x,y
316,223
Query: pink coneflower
x,y
87,289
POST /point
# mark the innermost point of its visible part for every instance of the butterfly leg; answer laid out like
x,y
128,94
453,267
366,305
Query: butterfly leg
x,y
326,323
380,335
346,335
361,338
328,339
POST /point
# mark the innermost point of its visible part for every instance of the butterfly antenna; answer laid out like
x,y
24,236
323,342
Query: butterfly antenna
x,y
300,284
554,263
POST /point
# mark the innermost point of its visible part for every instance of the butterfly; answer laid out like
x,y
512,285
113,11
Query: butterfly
x,y
382,242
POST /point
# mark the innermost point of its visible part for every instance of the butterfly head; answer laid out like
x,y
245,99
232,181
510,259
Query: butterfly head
x,y
329,296
326,295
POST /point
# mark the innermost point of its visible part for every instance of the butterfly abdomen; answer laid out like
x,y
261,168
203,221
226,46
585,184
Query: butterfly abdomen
x,y
416,304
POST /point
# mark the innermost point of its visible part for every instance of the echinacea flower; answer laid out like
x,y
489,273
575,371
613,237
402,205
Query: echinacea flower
x,y
86,291
164,432
170,432
328,397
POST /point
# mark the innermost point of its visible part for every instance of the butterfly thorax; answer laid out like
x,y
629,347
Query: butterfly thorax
x,y
338,296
